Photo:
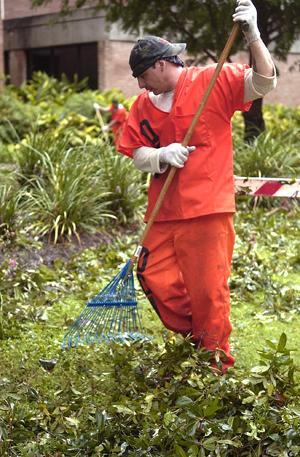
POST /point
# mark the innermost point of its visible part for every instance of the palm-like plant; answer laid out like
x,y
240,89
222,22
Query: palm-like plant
x,y
34,150
124,183
68,198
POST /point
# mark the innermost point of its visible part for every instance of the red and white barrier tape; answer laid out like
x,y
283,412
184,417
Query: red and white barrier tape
x,y
269,187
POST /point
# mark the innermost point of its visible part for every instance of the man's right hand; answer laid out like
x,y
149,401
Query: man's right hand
x,y
175,154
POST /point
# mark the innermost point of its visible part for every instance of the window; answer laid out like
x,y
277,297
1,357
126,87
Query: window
x,y
80,60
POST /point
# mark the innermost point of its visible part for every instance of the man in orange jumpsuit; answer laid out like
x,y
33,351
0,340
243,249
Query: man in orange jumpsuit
x,y
185,261
119,115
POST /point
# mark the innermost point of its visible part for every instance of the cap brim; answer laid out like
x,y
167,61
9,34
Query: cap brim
x,y
175,49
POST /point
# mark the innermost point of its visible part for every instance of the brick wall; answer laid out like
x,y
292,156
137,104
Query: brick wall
x,y
116,68
23,8
287,91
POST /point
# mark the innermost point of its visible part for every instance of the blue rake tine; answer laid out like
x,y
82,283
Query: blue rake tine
x,y
111,315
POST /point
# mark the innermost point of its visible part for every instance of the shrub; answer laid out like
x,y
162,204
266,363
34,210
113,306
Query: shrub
x,y
280,118
33,150
17,117
269,156
124,184
68,196
173,407
46,90
8,211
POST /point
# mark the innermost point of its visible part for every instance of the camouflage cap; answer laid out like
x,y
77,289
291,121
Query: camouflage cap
x,y
148,50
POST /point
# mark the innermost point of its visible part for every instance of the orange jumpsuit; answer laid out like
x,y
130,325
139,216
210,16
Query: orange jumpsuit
x,y
185,262
119,115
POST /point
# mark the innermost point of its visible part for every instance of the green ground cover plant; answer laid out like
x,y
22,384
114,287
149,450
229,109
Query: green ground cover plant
x,y
61,184
158,397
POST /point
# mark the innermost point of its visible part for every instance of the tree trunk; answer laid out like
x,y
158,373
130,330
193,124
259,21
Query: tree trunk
x,y
254,121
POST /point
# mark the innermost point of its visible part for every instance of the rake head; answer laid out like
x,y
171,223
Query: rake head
x,y
112,315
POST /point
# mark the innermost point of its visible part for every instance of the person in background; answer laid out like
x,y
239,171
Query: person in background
x,y
118,117
185,262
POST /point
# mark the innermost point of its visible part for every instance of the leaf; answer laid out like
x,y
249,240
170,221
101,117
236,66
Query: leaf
x,y
14,396
260,369
101,418
73,421
211,407
184,401
209,443
123,410
169,417
4,408
236,443
75,392
295,410
282,343
226,427
248,400
179,451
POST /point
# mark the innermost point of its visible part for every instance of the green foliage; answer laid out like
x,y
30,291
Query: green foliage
x,y
43,89
144,399
72,189
72,179
263,257
125,185
7,153
203,25
173,407
280,118
68,198
269,155
8,211
17,117
46,104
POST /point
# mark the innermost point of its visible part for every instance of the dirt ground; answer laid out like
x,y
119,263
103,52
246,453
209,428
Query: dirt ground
x,y
44,252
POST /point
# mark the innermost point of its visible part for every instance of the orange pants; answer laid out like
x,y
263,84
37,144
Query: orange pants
x,y
183,269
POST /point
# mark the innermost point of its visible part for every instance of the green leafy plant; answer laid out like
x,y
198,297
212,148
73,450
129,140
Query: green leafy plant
x,y
9,199
174,406
17,117
68,198
43,88
263,257
152,398
125,184
269,156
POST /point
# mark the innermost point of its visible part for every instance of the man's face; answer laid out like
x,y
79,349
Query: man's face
x,y
153,79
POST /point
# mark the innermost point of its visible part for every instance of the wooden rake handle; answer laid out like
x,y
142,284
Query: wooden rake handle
x,y
189,133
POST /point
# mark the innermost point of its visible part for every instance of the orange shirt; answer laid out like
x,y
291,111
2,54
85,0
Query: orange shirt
x,y
119,115
205,185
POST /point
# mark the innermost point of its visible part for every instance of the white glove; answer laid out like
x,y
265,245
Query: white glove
x,y
245,12
175,154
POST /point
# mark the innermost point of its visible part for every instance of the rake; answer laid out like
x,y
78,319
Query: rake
x,y
113,315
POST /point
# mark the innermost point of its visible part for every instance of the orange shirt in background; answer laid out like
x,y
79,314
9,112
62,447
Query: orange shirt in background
x,y
119,115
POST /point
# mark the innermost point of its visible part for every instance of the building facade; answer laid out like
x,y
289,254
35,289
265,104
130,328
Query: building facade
x,y
81,43
84,44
